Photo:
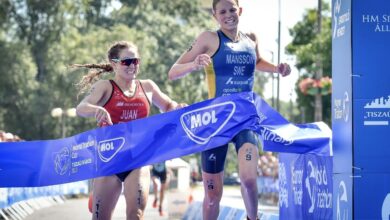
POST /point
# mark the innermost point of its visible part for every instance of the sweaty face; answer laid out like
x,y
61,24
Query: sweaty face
x,y
227,14
127,72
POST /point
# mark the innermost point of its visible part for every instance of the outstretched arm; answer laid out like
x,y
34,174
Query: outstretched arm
x,y
161,100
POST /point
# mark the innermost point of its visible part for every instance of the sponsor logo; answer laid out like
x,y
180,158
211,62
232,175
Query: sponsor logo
x,y
212,157
342,202
316,183
202,124
296,182
378,23
341,108
120,104
283,192
268,135
62,161
107,149
386,208
339,20
230,81
377,112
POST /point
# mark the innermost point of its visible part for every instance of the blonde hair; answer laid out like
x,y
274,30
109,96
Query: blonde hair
x,y
96,70
215,2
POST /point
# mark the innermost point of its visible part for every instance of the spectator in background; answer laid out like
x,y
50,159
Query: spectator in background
x,y
268,169
268,164
161,172
2,135
8,137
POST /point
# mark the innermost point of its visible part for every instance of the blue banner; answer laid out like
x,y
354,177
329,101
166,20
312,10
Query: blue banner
x,y
109,150
371,107
305,186
342,113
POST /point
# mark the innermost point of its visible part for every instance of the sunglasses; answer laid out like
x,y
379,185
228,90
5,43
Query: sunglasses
x,y
127,61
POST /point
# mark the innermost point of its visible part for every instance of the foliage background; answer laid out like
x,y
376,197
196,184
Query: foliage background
x,y
39,39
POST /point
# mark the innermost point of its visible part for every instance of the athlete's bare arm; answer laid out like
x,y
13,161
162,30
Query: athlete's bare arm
x,y
196,57
261,64
265,66
91,105
160,99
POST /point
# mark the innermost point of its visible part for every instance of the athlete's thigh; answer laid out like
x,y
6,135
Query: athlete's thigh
x,y
106,191
213,160
246,143
136,188
248,156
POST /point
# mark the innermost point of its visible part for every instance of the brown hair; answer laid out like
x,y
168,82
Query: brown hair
x,y
215,2
95,70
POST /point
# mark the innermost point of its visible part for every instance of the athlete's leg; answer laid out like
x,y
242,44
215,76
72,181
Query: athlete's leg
x,y
164,179
136,190
155,191
213,162
213,188
247,166
106,191
248,155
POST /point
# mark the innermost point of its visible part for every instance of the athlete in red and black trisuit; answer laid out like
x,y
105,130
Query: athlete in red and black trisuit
x,y
123,108
118,100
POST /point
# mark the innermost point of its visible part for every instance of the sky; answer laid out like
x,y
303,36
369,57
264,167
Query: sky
x,y
261,17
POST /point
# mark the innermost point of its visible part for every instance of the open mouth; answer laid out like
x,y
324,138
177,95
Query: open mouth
x,y
131,71
230,21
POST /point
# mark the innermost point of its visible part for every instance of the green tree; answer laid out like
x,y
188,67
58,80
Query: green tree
x,y
40,38
173,26
17,87
30,30
308,46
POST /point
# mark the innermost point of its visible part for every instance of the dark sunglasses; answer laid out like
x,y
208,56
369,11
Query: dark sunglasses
x,y
127,61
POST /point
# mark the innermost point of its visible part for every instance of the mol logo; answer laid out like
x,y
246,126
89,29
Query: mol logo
x,y
206,118
203,123
107,149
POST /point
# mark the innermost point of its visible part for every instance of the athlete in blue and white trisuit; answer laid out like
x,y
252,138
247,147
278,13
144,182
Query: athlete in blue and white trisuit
x,y
229,58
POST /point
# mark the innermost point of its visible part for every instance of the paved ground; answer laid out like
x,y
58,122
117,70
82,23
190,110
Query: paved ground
x,y
175,206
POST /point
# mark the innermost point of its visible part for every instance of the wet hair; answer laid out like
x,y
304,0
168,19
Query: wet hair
x,y
215,2
96,70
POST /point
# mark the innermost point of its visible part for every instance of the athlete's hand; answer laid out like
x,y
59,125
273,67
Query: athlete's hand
x,y
180,105
201,61
102,116
284,69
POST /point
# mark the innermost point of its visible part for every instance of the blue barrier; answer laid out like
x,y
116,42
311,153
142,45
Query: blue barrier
x,y
9,196
305,186
194,212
